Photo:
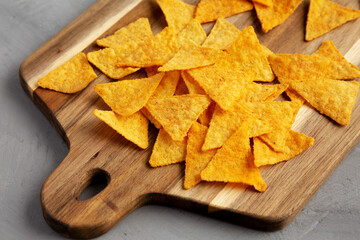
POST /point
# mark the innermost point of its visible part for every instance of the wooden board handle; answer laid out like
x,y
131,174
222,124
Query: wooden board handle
x,y
64,212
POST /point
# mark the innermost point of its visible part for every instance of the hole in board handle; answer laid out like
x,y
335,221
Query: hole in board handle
x,y
97,182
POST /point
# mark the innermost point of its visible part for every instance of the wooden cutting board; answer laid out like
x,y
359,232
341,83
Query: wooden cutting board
x,y
96,151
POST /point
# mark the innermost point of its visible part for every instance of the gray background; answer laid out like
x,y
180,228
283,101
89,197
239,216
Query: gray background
x,y
30,149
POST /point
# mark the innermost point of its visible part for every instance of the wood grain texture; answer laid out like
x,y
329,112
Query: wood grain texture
x,y
95,148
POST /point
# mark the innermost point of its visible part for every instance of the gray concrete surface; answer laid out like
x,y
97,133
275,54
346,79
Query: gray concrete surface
x,y
30,149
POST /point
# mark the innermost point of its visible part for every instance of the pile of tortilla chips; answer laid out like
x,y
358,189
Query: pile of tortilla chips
x,y
208,97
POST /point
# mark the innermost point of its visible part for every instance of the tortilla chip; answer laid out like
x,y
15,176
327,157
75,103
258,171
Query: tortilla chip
x,y
272,16
345,69
73,76
234,162
167,151
138,31
192,86
134,127
192,56
261,92
177,13
222,35
210,10
206,116
248,52
297,66
176,114
295,97
196,159
325,15
279,115
224,85
268,3
181,88
105,60
333,98
157,51
224,123
192,34
128,96
296,143
166,88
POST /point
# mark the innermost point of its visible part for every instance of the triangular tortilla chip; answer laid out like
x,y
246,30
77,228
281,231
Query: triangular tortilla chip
x,y
325,15
210,10
264,2
167,151
224,85
272,16
296,143
128,96
166,88
345,69
73,76
177,13
297,66
134,127
206,116
176,114
157,51
106,60
192,56
333,98
234,162
222,35
196,159
224,123
138,31
192,34
279,115
248,52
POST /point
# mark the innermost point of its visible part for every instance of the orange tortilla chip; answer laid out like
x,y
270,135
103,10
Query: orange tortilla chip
x,y
196,159
177,13
345,69
296,143
73,76
248,52
167,151
234,162
222,35
128,96
134,127
268,3
210,10
138,31
224,85
176,114
333,98
325,15
157,51
279,115
224,123
277,13
166,88
192,34
192,56
261,92
105,60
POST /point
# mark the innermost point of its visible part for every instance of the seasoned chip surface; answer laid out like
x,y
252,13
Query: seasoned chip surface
x,y
73,76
